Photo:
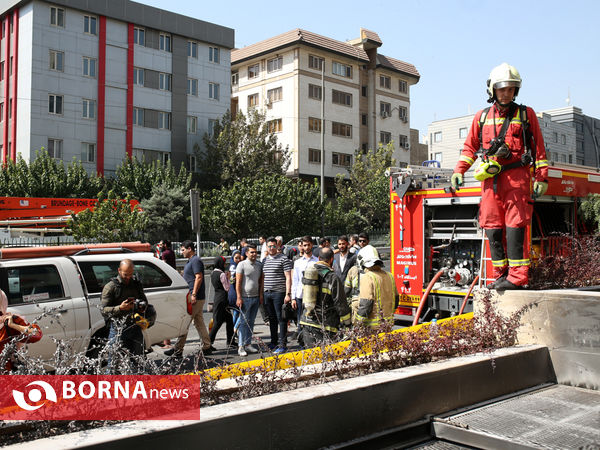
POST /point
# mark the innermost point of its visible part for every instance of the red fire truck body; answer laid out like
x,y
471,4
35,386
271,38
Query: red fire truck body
x,y
434,228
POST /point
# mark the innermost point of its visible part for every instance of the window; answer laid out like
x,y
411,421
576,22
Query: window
x,y
385,109
88,152
341,69
314,155
364,119
164,120
275,126
138,76
192,163
275,95
192,124
555,137
2,70
253,71
314,124
570,159
89,67
314,91
439,156
235,78
89,25
403,141
563,139
138,116
55,104
139,36
437,137
385,82
341,129
213,91
97,274
1,111
89,109
385,137
164,82
252,100
403,86
192,49
341,159
275,64
28,284
192,86
341,98
403,113
214,55
57,61
57,17
462,133
364,90
314,62
164,42
212,123
55,148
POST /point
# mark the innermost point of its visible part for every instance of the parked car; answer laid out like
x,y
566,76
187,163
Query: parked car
x,y
72,285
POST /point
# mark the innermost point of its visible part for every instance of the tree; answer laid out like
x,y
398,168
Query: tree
x,y
238,148
167,212
112,220
47,177
272,205
137,179
590,210
362,200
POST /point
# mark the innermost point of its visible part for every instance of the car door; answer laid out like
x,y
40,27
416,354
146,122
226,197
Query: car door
x,y
37,291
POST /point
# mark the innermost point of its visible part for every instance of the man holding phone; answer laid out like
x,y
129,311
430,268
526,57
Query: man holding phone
x,y
118,301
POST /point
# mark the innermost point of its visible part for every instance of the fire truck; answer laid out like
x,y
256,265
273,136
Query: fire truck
x,y
438,251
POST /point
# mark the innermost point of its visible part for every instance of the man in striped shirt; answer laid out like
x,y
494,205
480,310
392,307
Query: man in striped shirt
x,y
277,271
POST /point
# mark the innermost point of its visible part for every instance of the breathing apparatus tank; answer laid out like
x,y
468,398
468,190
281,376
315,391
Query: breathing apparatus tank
x,y
310,288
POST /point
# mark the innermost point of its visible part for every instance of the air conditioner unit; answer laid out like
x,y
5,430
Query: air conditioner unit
x,y
406,145
267,102
404,119
385,114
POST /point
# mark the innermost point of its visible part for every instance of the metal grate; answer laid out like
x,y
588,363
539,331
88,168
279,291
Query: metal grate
x,y
555,417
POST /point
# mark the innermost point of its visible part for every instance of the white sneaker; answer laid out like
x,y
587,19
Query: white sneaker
x,y
251,349
242,351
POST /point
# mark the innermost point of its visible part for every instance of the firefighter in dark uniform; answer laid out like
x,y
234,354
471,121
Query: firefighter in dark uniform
x,y
324,302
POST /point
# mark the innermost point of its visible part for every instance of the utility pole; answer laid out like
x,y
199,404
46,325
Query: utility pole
x,y
194,199
322,144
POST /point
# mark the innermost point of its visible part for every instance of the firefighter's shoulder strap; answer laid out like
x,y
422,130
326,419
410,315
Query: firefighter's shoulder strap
x,y
482,118
528,157
505,124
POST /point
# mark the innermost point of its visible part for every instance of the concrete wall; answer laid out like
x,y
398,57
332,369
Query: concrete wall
x,y
567,321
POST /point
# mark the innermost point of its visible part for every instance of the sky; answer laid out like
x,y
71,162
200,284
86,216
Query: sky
x,y
454,44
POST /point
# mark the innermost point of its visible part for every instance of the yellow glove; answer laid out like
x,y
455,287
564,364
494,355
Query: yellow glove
x,y
456,180
141,321
540,188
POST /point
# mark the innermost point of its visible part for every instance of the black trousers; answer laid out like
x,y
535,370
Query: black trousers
x,y
220,316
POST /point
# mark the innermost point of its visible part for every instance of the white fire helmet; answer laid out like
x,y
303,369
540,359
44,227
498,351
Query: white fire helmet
x,y
502,76
367,257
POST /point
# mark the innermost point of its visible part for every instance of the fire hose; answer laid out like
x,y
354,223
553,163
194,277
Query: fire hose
x,y
426,294
464,303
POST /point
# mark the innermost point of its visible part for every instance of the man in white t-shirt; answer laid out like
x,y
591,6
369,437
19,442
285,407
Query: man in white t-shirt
x,y
262,240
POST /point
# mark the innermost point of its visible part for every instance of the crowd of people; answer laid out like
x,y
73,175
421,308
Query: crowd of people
x,y
326,290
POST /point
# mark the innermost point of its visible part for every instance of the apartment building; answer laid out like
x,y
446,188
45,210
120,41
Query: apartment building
x,y
104,80
364,95
447,137
587,133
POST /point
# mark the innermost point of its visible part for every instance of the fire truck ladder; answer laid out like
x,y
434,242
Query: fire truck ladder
x,y
483,277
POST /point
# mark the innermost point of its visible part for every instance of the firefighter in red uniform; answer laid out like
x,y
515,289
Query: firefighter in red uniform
x,y
507,136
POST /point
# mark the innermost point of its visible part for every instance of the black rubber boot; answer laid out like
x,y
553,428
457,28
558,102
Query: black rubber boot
x,y
493,284
505,285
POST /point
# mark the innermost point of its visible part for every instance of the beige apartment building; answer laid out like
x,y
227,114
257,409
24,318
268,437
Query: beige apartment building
x,y
365,96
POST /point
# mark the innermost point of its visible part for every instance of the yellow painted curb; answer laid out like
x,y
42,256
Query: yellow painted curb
x,y
309,356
